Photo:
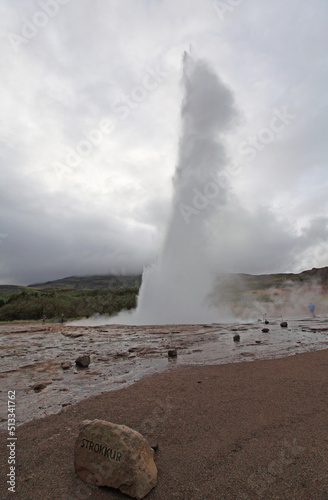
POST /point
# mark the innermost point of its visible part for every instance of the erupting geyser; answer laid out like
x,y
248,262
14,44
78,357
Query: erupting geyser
x,y
175,288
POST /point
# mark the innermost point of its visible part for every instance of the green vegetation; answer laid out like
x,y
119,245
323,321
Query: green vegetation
x,y
33,304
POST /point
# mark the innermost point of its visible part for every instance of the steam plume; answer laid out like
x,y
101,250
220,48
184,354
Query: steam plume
x,y
175,288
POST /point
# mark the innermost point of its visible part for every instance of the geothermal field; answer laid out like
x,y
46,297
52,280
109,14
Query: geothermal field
x,y
39,361
176,307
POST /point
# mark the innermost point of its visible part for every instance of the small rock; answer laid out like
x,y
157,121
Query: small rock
x,y
66,365
284,324
265,330
236,338
39,387
266,322
73,335
258,341
119,355
116,456
83,361
154,445
172,353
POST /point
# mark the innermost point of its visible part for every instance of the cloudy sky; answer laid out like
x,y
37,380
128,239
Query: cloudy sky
x,y
90,123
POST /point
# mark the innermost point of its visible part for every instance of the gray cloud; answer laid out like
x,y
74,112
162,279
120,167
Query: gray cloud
x,y
110,210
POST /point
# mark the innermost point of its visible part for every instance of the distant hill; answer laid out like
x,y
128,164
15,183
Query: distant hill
x,y
239,282
91,282
320,275
11,288
248,282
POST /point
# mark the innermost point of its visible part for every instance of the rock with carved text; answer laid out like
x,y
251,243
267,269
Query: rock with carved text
x,y
113,455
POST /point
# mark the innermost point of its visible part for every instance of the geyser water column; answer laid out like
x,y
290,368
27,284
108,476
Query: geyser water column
x,y
175,288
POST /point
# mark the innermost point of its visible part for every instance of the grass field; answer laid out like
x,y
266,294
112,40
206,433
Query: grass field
x,y
55,303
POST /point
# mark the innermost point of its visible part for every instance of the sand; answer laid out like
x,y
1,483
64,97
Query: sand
x,y
234,431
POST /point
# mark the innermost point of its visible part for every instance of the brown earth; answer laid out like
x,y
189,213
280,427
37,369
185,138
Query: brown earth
x,y
252,430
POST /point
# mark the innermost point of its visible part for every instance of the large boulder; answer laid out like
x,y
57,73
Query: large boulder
x,y
108,454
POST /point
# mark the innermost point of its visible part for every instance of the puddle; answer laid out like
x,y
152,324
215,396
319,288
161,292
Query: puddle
x,y
121,354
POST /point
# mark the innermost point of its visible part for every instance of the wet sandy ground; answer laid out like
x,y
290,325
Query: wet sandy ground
x,y
32,354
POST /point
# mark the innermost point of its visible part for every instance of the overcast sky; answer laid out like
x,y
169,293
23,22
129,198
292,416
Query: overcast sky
x,y
90,123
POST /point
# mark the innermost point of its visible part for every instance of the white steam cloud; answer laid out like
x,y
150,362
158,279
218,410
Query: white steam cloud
x,y
175,288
